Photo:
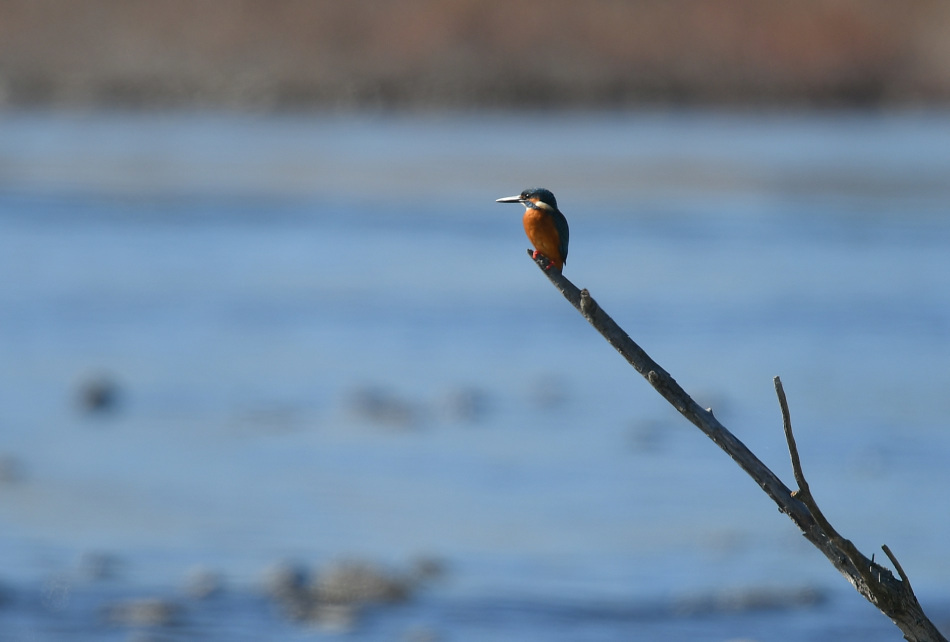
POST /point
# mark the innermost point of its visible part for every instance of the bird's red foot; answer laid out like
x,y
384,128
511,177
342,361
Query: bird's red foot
x,y
547,263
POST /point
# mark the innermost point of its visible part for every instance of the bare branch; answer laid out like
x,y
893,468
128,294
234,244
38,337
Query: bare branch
x,y
891,596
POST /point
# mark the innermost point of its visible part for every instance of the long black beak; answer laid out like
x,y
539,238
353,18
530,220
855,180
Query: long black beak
x,y
510,199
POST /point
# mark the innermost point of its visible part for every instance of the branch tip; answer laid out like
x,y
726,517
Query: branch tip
x,y
897,566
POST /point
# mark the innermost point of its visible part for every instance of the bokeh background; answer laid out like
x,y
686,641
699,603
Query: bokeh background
x,y
473,53
274,365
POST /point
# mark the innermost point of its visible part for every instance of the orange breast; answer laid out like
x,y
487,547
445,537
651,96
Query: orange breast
x,y
541,231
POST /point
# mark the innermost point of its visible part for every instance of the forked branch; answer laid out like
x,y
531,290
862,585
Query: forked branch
x,y
893,597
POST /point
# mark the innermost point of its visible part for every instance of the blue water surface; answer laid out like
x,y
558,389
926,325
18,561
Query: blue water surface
x,y
325,341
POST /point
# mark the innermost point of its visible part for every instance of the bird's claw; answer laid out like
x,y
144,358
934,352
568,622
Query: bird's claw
x,y
547,263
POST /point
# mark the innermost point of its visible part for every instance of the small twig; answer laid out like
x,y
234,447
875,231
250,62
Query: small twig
x,y
859,562
790,437
804,492
898,568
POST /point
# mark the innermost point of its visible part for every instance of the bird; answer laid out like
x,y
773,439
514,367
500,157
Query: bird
x,y
544,224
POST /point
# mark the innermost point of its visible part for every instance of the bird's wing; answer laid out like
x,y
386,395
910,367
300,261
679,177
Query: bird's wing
x,y
563,233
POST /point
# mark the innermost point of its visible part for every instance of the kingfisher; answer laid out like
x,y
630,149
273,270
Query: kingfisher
x,y
544,224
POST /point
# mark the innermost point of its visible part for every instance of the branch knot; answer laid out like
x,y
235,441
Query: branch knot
x,y
588,305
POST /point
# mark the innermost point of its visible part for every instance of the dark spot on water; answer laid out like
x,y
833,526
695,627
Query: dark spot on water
x,y
468,404
145,612
384,408
99,395
203,583
750,599
99,566
333,598
425,569
359,582
285,578
12,470
548,393
648,435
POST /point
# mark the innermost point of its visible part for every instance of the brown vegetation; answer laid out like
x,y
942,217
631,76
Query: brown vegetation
x,y
471,53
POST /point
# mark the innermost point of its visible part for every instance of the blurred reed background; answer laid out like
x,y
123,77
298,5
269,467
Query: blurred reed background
x,y
472,54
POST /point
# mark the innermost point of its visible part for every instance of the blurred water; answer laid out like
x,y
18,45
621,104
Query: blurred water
x,y
326,341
